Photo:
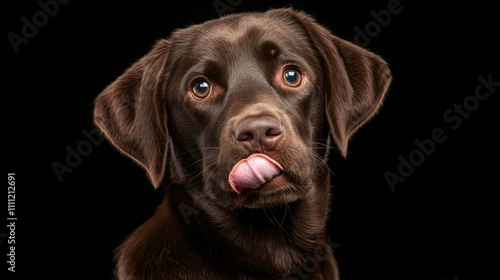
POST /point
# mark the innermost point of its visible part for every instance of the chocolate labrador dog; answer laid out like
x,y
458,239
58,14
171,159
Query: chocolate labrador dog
x,y
233,118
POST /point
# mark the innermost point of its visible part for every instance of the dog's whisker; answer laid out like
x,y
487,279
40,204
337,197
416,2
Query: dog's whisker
x,y
319,145
204,169
284,217
289,210
207,158
200,173
322,164
280,224
198,149
269,218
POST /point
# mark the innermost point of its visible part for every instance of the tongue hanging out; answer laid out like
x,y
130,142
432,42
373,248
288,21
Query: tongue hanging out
x,y
252,172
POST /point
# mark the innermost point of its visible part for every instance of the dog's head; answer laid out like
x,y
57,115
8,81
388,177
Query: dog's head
x,y
242,107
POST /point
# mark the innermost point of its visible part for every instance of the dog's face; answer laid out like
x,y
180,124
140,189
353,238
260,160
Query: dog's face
x,y
240,109
246,86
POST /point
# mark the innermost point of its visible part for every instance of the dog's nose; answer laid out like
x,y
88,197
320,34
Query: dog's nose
x,y
259,133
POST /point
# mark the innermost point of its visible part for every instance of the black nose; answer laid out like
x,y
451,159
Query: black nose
x,y
259,133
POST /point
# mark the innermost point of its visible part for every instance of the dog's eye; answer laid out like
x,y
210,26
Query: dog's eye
x,y
292,77
201,88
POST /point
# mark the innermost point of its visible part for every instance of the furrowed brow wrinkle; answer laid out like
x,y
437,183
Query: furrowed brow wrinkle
x,y
270,50
213,70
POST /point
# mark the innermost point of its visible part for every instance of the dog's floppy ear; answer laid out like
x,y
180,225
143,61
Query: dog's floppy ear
x,y
357,96
355,81
131,113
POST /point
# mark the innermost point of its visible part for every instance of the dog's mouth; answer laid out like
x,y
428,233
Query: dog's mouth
x,y
253,172
259,181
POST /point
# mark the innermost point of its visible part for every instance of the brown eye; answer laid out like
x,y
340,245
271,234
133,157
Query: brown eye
x,y
201,88
292,77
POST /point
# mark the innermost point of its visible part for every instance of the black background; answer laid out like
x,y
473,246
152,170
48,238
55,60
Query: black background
x,y
437,224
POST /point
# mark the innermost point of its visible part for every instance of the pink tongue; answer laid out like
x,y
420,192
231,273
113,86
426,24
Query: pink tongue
x,y
252,172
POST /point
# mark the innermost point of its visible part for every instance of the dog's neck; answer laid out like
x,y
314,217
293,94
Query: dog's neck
x,y
284,236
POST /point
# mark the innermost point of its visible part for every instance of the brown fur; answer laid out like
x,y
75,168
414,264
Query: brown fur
x,y
187,145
